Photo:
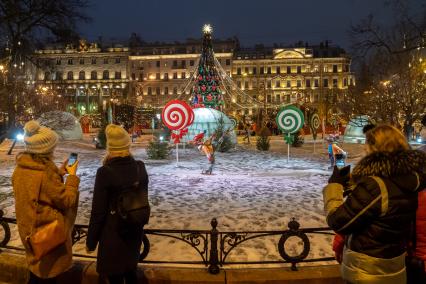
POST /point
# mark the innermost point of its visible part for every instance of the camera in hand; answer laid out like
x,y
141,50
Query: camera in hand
x,y
72,159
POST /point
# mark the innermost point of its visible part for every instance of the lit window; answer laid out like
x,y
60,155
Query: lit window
x,y
325,83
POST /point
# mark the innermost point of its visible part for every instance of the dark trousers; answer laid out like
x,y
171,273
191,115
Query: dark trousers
x,y
34,279
128,278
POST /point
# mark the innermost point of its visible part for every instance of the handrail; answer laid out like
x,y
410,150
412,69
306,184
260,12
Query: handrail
x,y
213,246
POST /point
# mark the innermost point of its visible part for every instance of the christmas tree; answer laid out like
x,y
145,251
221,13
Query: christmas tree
x,y
206,91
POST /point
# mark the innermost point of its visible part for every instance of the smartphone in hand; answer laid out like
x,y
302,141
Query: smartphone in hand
x,y
72,159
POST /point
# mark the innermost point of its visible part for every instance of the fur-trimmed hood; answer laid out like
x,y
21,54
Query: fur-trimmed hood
x,y
405,168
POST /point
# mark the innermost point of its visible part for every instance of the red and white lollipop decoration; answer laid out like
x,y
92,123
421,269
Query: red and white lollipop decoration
x,y
177,116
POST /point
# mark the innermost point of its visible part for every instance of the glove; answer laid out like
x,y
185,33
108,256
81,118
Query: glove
x,y
340,176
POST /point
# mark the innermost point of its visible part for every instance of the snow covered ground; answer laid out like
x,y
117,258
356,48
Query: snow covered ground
x,y
250,190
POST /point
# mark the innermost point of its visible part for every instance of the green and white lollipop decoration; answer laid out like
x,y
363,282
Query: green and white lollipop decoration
x,y
290,119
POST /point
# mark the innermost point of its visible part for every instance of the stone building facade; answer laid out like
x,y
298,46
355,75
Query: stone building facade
x,y
316,76
87,77
151,74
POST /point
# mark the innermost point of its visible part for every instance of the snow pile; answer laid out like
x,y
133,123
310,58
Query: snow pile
x,y
63,123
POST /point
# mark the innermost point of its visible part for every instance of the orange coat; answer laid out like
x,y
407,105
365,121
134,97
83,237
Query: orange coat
x,y
57,200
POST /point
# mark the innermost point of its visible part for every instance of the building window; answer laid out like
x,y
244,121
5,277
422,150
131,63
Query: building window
x,y
308,83
157,90
183,63
316,83
58,75
149,91
157,63
246,70
117,75
93,60
246,85
166,90
58,61
269,70
278,70
81,61
157,76
288,84
268,98
191,62
70,62
238,71
254,70
277,84
47,75
183,75
316,68
277,98
334,83
325,68
228,61
288,69
166,76
174,75
325,83
239,84
345,82
308,68
299,69
117,60
262,70
269,84
174,63
81,75
105,60
299,83
105,75
175,91
70,75
334,68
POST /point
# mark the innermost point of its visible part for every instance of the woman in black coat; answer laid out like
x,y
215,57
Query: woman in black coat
x,y
119,243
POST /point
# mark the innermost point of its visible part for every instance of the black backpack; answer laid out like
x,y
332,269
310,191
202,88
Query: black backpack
x,y
131,203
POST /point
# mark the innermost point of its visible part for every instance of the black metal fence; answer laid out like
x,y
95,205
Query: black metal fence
x,y
213,246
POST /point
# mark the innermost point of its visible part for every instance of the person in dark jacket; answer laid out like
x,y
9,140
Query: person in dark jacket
x,y
119,243
381,204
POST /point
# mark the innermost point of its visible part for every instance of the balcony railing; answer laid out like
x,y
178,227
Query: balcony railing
x,y
212,246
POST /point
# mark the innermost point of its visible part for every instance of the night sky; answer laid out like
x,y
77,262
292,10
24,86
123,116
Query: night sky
x,y
252,21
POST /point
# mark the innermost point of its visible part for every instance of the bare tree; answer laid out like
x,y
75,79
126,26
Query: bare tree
x,y
395,58
22,24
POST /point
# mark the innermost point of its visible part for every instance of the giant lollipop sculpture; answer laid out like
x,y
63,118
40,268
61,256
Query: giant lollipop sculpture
x,y
177,116
290,119
314,124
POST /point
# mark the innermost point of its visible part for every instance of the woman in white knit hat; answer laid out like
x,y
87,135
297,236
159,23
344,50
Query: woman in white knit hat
x,y
119,240
42,198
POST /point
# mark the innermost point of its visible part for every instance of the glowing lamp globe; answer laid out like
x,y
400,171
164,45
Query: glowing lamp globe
x,y
207,119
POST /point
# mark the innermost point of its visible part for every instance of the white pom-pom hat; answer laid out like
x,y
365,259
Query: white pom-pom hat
x,y
39,139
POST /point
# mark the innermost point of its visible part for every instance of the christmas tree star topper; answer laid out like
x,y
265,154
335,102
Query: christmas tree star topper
x,y
207,29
